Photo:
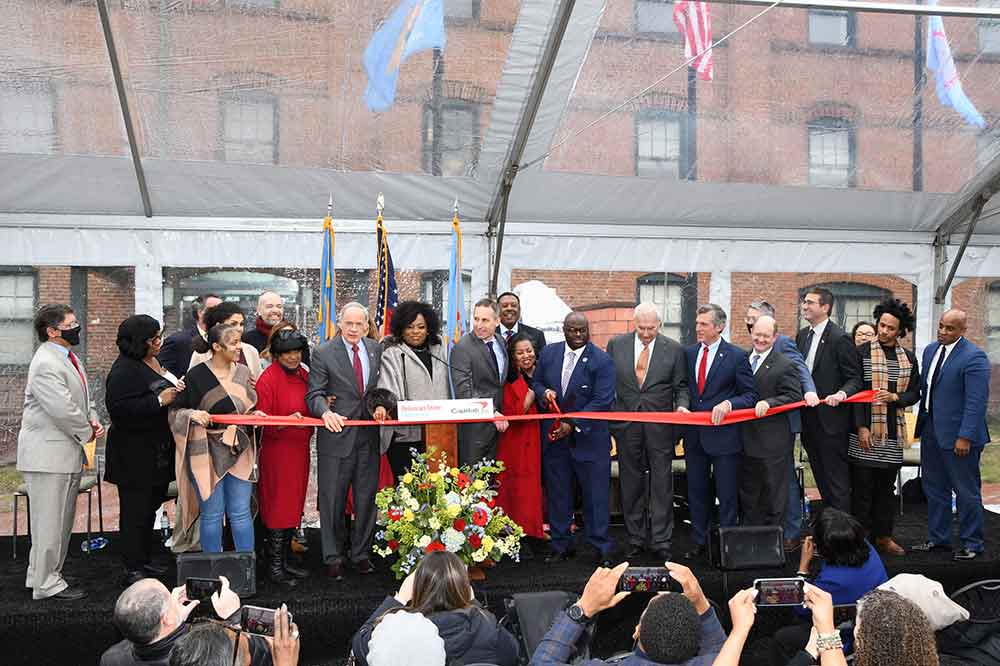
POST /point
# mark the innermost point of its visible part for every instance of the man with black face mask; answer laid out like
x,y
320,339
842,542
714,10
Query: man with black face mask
x,y
56,422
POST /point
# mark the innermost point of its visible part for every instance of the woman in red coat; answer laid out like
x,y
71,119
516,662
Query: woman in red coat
x,y
284,451
520,492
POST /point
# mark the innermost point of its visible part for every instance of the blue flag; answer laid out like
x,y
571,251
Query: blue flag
x,y
948,83
415,26
327,284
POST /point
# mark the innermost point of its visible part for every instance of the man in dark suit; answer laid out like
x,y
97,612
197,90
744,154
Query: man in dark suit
x,y
478,368
719,381
836,369
175,354
346,368
651,376
577,376
510,322
951,424
769,441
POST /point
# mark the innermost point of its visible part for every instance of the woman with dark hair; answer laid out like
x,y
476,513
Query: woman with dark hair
x,y
216,465
140,450
266,357
520,447
875,449
439,589
847,567
863,333
413,368
284,451
228,313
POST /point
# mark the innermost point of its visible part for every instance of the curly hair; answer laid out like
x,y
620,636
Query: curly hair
x,y
897,309
670,629
892,631
406,312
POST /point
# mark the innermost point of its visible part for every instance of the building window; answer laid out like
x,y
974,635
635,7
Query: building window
x,y
989,29
676,298
27,121
659,138
250,128
993,322
256,4
852,302
461,9
17,310
831,28
831,153
987,148
655,16
457,151
434,290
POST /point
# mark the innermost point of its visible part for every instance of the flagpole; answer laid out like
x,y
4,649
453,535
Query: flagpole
x,y
918,102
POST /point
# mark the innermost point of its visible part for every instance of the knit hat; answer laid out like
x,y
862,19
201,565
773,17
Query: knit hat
x,y
406,639
927,595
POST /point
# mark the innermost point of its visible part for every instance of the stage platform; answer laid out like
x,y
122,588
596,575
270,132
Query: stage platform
x,y
328,613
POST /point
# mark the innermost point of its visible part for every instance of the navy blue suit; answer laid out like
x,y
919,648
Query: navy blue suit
x,y
716,449
586,453
958,409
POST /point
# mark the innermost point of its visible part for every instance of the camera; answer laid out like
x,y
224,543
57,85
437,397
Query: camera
x,y
780,591
202,589
260,621
647,579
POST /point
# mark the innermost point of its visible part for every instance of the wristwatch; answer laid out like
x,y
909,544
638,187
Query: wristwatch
x,y
576,614
830,641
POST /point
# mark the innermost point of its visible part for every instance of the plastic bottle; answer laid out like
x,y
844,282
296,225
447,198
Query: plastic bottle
x,y
954,503
95,543
165,530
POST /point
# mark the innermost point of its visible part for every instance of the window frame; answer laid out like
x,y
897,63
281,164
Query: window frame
x,y
832,123
19,271
988,24
842,291
476,13
989,326
253,97
438,282
668,34
427,156
45,88
683,149
850,28
689,299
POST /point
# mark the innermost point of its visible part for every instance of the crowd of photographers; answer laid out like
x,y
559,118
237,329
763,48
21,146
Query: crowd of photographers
x,y
435,620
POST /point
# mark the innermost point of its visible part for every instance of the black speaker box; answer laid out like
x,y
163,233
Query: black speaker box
x,y
239,567
736,548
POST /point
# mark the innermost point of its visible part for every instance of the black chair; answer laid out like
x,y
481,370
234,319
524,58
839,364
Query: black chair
x,y
981,599
530,615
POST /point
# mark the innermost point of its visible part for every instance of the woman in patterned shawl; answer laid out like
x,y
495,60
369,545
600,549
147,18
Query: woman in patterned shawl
x,y
876,450
216,465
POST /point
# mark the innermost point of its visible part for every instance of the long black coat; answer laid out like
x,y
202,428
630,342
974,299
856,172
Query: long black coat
x,y
140,449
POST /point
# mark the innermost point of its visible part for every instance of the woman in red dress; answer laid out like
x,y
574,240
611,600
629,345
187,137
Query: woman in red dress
x,y
284,451
520,492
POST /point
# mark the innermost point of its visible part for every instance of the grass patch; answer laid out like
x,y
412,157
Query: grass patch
x,y
10,479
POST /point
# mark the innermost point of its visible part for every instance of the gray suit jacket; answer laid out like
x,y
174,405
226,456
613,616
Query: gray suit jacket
x,y
475,375
778,384
331,373
57,413
665,388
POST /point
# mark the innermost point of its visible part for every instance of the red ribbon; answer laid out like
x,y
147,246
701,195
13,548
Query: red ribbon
x,y
675,418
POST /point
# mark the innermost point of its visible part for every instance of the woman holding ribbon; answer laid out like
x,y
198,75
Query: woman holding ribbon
x,y
216,466
876,448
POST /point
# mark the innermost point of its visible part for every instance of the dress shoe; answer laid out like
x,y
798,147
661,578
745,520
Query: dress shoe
x,y
792,545
132,577
663,555
697,553
69,594
965,555
335,570
930,547
887,546
555,556
155,569
634,552
365,567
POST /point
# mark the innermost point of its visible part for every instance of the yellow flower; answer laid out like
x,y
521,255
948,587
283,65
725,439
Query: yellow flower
x,y
407,478
479,484
479,555
408,516
434,524
488,543
454,472
433,477
454,510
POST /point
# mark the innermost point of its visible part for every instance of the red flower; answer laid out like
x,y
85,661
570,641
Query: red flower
x,y
395,515
458,525
480,518
475,541
462,480
433,546
491,503
393,545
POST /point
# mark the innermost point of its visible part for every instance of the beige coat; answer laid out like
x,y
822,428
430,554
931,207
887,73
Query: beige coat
x,y
419,386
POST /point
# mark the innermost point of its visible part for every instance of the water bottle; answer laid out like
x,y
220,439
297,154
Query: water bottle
x,y
805,511
165,531
94,544
954,503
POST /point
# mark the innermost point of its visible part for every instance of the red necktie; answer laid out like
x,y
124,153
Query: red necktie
x,y
702,369
72,359
359,375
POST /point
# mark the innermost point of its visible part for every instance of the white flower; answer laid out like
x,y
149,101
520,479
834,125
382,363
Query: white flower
x,y
479,555
413,504
452,540
434,523
424,541
452,498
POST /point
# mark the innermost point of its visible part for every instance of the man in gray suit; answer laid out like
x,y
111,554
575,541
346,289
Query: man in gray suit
x,y
478,369
343,375
57,421
769,441
651,376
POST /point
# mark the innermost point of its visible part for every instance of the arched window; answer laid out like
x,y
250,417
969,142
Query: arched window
x,y
677,299
831,152
852,301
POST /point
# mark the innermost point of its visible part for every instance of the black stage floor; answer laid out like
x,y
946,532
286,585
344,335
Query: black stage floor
x,y
328,612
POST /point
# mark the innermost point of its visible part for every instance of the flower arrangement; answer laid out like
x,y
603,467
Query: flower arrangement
x,y
449,508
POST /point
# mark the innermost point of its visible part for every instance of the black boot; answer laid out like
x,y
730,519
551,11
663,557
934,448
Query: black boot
x,y
286,548
275,558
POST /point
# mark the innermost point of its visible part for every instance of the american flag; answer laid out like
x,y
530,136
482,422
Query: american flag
x,y
694,21
388,293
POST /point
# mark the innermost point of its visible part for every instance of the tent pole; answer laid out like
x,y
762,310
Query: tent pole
x,y
940,243
133,147
496,217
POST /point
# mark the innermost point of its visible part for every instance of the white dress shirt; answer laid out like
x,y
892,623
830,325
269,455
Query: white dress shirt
x,y
818,330
638,348
577,353
761,356
713,349
948,349
363,355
